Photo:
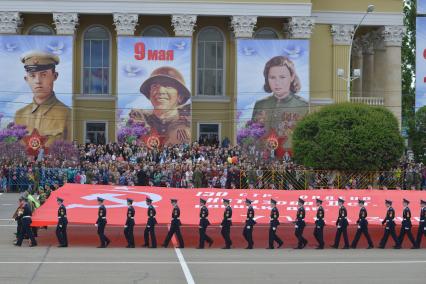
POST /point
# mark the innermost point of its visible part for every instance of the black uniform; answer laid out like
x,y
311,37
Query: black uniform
x,y
61,227
319,227
273,225
128,228
226,226
390,228
101,222
299,227
406,228
248,228
362,229
342,227
204,223
174,228
422,227
26,226
150,228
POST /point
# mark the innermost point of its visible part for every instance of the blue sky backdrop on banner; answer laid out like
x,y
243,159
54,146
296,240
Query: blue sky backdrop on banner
x,y
14,91
420,62
421,6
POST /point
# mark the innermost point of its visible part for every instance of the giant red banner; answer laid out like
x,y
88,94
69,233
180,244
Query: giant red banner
x,y
81,204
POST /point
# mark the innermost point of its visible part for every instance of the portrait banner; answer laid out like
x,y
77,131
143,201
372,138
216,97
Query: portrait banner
x,y
421,7
273,94
420,62
154,97
36,86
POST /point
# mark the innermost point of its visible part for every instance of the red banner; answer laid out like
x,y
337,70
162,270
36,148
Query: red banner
x,y
82,206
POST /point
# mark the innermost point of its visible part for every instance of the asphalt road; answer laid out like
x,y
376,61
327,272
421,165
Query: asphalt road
x,y
80,264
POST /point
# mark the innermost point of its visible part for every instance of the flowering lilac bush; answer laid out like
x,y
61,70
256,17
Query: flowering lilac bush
x,y
13,151
61,150
132,131
13,132
250,133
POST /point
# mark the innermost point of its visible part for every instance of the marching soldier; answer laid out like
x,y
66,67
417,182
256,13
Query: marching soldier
x,y
18,217
300,225
174,226
226,224
422,227
26,225
390,225
130,224
250,222
204,223
406,225
342,226
150,225
273,225
101,223
362,227
319,225
61,228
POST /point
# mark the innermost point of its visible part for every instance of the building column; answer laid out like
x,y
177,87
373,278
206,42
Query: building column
x,y
10,22
368,65
342,36
125,24
392,64
357,60
301,27
65,23
379,61
183,25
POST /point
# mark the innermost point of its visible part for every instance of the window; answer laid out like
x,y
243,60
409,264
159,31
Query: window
x,y
267,33
208,134
96,132
154,31
41,30
96,61
210,61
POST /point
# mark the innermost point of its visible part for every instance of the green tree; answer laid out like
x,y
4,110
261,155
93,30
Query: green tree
x,y
348,137
419,136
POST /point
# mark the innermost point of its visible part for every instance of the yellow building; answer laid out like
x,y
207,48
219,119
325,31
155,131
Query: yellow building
x,y
329,24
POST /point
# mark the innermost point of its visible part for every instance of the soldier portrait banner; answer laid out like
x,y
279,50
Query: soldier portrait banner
x,y
273,93
420,62
154,97
36,85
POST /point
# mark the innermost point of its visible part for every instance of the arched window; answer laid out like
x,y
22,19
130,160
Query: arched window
x,y
41,30
266,33
96,61
154,31
210,62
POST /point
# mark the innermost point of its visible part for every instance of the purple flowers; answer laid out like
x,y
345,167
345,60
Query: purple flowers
x,y
61,150
13,132
132,131
250,132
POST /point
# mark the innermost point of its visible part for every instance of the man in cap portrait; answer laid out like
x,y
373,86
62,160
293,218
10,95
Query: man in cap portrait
x,y
170,116
46,113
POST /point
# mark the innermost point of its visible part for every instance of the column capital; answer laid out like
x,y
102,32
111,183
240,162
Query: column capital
x,y
10,22
243,26
392,35
301,27
125,23
183,25
367,42
65,23
357,47
378,40
342,34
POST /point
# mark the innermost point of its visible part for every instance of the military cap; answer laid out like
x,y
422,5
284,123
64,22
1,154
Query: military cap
x,y
319,200
203,201
148,199
100,199
59,199
388,202
406,201
129,200
360,201
273,201
301,201
37,60
341,200
248,201
423,202
172,200
225,200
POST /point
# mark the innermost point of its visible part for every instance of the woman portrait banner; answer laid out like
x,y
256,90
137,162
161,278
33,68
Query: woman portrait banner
x,y
273,93
154,97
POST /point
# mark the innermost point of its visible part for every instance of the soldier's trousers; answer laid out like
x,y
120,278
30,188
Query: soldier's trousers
x,y
18,229
420,233
342,230
226,234
298,232
26,231
128,233
362,230
61,234
406,230
319,235
101,233
203,236
248,235
389,230
150,232
273,237
174,230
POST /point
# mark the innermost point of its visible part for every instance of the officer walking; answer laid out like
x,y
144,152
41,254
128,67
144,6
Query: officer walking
x,y
130,224
61,227
300,225
273,225
204,223
150,225
406,226
26,225
101,223
249,224
174,226
422,226
342,226
226,224
319,225
362,227
390,226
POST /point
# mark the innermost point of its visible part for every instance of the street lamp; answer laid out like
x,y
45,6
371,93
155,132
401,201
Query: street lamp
x,y
357,72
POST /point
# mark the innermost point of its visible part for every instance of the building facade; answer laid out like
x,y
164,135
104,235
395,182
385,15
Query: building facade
x,y
328,25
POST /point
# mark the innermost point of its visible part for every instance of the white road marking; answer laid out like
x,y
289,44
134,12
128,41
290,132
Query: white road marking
x,y
7,219
184,266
